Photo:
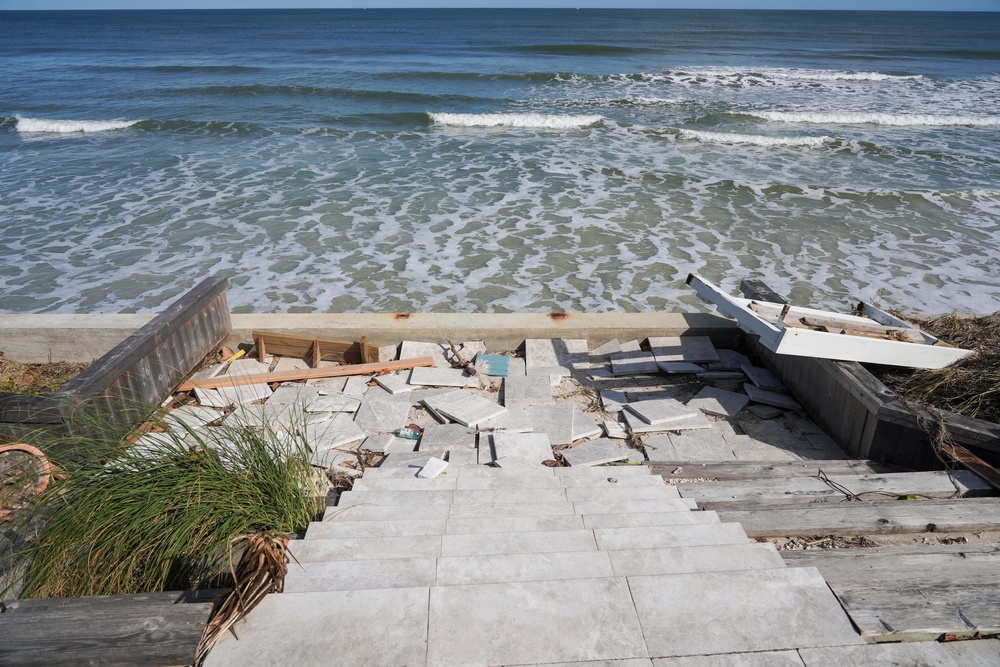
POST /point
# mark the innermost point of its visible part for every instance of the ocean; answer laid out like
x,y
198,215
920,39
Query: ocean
x,y
498,160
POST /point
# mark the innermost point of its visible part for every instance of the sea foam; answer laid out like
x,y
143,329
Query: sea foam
x,y
754,139
862,118
67,126
527,120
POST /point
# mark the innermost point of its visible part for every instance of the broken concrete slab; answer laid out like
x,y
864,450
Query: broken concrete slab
x,y
387,352
394,384
379,442
720,375
679,367
804,426
244,367
432,468
719,402
607,349
334,403
691,446
445,437
922,654
515,420
463,458
692,349
244,393
356,385
339,433
409,461
414,349
554,420
770,398
465,408
777,434
594,452
516,367
548,356
210,398
382,416
524,391
764,411
637,425
190,417
328,458
521,449
442,377
584,426
614,429
661,411
335,384
403,445
633,363
613,400
290,364
776,609
731,359
762,378
600,375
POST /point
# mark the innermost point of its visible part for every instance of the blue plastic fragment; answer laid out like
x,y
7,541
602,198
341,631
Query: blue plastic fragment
x,y
495,365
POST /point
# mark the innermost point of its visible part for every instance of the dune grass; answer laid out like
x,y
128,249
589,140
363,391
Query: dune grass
x,y
163,514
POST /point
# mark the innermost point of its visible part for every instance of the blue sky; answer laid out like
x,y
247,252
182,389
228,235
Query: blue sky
x,y
921,5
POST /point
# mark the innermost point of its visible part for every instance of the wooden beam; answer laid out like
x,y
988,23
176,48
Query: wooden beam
x,y
972,462
308,374
316,348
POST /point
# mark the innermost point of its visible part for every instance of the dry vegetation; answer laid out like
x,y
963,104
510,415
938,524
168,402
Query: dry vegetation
x,y
969,387
19,378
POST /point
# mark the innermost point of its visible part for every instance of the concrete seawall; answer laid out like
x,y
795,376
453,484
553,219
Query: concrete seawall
x,y
45,338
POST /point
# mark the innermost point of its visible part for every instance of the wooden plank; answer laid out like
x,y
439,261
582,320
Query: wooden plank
x,y
154,629
304,347
877,518
921,613
888,566
766,469
311,373
963,456
752,288
803,490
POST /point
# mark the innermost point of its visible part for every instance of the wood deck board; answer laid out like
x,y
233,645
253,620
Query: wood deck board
x,y
894,517
766,469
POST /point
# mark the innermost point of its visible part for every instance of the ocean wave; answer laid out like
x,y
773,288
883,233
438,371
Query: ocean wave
x,y
257,90
754,139
53,126
861,118
747,77
527,120
211,69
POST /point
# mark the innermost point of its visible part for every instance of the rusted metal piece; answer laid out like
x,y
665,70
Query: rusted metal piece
x,y
403,316
961,455
559,316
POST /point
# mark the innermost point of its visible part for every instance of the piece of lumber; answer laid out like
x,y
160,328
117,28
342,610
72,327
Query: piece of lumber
x,y
922,612
307,374
877,518
154,629
316,349
804,490
753,288
961,455
766,469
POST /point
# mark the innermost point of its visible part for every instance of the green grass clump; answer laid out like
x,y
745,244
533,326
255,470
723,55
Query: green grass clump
x,y
160,516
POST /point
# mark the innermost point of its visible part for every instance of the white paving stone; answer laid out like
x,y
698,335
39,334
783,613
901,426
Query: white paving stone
x,y
697,421
633,363
514,524
190,417
910,654
719,402
432,468
775,609
692,349
762,378
331,530
547,356
504,568
614,429
697,558
491,616
584,426
386,627
366,548
689,446
445,437
382,416
594,453
356,385
515,420
764,411
442,377
648,519
679,367
345,575
487,544
613,400
210,398
334,403
524,391
414,350
609,348
338,433
394,384
380,442
556,421
758,659
465,408
771,398
661,411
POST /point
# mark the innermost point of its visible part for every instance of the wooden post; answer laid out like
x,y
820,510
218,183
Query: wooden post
x,y
261,345
316,354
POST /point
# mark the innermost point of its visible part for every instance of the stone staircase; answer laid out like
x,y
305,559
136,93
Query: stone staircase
x,y
529,566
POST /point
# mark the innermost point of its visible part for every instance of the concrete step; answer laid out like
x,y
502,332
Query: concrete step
x,y
352,547
655,537
510,482
597,619
648,519
499,496
500,524
503,568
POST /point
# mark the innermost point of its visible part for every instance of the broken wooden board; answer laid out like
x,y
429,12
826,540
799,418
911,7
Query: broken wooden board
x,y
803,490
308,374
806,332
881,518
765,469
316,349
